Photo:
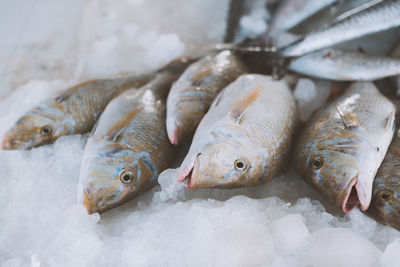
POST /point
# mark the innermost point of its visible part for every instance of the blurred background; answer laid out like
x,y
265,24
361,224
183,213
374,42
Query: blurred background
x,y
81,39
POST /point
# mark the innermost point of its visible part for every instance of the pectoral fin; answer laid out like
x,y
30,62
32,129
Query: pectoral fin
x,y
240,105
119,126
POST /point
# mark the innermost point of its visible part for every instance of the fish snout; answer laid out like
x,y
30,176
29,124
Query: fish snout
x,y
6,142
90,205
174,135
190,173
357,192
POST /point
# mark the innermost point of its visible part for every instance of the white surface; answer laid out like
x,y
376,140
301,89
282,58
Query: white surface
x,y
42,225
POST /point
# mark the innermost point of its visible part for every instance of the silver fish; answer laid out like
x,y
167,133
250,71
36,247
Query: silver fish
x,y
341,147
341,65
383,16
191,96
244,138
129,146
292,12
74,111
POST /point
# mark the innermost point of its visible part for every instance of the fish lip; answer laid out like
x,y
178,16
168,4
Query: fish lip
x,y
6,144
190,173
88,203
174,136
349,201
347,192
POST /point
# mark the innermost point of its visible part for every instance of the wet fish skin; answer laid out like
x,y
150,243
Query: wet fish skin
x,y
293,12
129,139
192,94
244,138
385,205
341,147
383,16
342,65
73,111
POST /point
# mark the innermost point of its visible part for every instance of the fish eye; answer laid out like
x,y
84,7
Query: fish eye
x,y
126,177
317,163
385,195
46,130
239,165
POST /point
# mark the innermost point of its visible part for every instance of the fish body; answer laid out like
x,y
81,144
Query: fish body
x,y
192,94
73,111
245,136
292,12
128,147
341,147
342,65
383,16
385,204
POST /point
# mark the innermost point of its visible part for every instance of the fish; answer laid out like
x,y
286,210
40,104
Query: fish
x,y
73,111
381,17
385,204
244,138
192,94
129,147
342,65
343,144
292,12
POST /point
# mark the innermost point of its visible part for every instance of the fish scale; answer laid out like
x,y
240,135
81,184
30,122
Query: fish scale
x,y
74,111
348,146
383,16
196,88
129,139
385,205
251,122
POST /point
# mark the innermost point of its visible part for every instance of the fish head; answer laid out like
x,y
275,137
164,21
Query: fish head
x,y
340,171
113,175
386,202
224,165
37,127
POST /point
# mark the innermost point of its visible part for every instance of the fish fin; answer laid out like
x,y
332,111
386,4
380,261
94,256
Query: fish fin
x,y
94,127
67,93
390,122
241,104
217,99
349,119
119,126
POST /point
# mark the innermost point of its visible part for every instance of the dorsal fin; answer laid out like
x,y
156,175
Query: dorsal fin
x,y
70,91
349,119
118,127
241,104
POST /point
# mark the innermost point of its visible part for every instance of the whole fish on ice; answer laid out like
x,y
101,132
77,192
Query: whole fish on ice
x,y
385,204
342,65
74,111
129,146
339,151
383,16
191,96
244,138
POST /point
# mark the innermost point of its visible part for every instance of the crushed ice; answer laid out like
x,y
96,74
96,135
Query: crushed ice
x,y
282,223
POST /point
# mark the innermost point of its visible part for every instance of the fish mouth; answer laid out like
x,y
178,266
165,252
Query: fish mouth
x,y
88,203
7,144
173,136
190,173
354,195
